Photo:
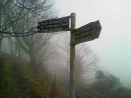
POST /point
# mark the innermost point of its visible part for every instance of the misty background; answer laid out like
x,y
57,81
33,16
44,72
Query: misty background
x,y
113,45
102,65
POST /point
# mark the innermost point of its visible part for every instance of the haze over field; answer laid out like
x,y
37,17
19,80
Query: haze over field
x,y
114,44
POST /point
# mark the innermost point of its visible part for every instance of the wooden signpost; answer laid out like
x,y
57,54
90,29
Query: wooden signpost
x,y
85,33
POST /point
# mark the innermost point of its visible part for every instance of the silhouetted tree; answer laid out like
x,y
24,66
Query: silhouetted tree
x,y
106,83
122,92
9,15
86,60
21,17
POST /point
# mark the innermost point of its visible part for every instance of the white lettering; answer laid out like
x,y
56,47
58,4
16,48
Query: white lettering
x,y
63,24
52,26
56,21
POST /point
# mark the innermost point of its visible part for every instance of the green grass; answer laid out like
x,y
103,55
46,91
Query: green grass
x,y
10,83
8,87
18,80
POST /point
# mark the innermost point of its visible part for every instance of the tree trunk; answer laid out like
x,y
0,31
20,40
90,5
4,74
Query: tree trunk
x,y
1,45
32,59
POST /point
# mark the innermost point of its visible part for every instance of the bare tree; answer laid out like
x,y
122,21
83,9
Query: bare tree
x,y
86,60
29,13
33,44
86,63
9,15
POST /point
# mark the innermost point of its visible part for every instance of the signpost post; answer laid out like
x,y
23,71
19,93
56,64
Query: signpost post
x,y
85,33
72,56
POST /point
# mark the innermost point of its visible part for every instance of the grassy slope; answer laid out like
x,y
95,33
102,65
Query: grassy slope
x,y
20,81
8,87
82,91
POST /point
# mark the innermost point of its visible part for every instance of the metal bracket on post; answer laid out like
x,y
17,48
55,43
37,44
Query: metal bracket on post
x,y
72,56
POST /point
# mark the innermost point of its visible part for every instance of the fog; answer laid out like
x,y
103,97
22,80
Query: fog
x,y
113,46
59,64
102,66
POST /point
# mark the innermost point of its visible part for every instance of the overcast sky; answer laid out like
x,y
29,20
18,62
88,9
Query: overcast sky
x,y
114,44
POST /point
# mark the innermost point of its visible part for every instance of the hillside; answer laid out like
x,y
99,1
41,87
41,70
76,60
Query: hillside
x,y
82,91
18,80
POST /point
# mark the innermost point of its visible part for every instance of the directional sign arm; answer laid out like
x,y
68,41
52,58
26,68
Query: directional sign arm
x,y
87,32
55,25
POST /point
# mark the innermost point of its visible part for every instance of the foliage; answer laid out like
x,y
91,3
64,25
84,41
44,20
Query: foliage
x,y
105,83
122,92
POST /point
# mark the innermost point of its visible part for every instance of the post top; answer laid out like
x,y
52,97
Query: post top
x,y
73,14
